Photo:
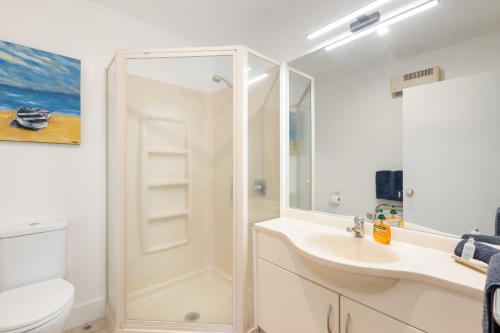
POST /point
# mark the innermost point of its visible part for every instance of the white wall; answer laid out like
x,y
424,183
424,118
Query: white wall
x,y
359,124
451,153
47,180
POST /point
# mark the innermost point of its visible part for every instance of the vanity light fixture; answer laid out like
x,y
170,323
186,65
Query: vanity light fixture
x,y
348,18
394,17
258,78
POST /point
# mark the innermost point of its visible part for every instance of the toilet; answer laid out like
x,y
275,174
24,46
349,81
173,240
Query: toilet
x,y
34,296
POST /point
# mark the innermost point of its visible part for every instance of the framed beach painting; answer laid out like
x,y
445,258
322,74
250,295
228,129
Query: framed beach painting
x,y
39,95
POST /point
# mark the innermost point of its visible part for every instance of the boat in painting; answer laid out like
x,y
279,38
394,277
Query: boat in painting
x,y
33,118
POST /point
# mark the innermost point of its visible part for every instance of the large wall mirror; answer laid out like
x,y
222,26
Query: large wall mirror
x,y
399,109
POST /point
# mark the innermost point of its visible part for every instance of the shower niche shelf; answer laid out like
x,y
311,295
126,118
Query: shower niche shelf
x,y
165,151
160,151
169,184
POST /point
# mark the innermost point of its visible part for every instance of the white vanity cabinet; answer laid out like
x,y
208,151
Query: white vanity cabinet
x,y
291,304
303,290
357,318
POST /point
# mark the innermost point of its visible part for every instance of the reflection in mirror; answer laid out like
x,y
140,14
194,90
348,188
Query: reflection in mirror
x,y
406,118
300,141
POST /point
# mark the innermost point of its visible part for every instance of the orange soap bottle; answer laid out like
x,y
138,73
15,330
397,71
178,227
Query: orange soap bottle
x,y
382,230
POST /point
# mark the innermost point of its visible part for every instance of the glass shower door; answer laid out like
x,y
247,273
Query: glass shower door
x,y
263,152
179,190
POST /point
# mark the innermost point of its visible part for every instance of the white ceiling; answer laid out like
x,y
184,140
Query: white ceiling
x,y
452,22
278,28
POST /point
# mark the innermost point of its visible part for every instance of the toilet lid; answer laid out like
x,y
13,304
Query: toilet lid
x,y
34,303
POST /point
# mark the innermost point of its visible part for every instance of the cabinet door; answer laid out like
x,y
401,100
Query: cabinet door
x,y
288,303
357,318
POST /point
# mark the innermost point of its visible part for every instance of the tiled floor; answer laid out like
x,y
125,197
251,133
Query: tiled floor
x,y
98,326
81,330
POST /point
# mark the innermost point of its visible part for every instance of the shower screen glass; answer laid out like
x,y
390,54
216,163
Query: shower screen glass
x,y
263,152
179,190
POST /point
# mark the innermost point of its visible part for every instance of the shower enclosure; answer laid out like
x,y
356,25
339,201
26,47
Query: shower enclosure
x,y
193,162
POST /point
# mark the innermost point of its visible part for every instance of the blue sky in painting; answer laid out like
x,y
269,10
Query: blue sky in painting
x,y
36,78
24,67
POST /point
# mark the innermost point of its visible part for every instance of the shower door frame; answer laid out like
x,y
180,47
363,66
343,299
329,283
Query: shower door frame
x,y
240,191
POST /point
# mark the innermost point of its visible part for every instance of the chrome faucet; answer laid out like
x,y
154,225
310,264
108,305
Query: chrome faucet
x,y
359,227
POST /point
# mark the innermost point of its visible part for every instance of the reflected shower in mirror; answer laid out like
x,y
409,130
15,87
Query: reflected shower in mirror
x,y
405,119
300,141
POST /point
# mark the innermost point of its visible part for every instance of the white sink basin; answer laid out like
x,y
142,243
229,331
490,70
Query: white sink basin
x,y
364,265
351,248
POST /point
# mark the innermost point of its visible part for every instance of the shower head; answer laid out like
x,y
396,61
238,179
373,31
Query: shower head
x,y
219,79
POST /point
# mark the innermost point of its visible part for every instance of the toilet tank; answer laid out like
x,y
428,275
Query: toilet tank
x,y
32,252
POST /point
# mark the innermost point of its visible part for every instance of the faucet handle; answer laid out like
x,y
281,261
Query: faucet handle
x,y
359,227
359,220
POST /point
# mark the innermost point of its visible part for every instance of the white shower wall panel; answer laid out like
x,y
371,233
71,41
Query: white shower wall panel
x,y
209,231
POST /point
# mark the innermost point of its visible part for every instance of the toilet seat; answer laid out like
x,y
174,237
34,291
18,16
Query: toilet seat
x,y
34,305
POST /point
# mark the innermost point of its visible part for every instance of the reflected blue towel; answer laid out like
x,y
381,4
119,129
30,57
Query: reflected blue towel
x,y
389,185
492,283
383,184
497,223
483,251
398,185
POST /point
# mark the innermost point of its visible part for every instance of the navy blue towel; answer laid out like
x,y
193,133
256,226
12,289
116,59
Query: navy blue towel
x,y
492,283
398,185
383,186
483,252
483,238
497,223
389,185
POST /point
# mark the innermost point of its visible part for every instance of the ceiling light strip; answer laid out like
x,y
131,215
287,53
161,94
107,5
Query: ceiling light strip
x,y
395,17
348,18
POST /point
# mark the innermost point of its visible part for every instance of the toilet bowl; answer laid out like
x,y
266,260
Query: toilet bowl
x,y
41,307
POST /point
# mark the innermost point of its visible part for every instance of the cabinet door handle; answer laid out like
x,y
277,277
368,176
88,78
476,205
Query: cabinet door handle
x,y
330,308
347,322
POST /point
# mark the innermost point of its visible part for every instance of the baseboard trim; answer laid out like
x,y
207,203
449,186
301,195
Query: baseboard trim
x,y
86,312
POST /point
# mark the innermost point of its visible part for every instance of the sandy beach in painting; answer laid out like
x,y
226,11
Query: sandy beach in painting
x,y
61,129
